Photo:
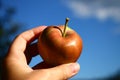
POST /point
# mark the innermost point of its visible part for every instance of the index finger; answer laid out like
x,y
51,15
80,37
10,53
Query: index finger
x,y
19,44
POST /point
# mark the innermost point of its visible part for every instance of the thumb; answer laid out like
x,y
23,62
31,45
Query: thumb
x,y
64,71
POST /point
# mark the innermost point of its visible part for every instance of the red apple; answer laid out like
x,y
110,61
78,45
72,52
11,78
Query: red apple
x,y
59,44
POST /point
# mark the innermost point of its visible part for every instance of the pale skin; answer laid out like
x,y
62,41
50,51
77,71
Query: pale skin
x,y
15,66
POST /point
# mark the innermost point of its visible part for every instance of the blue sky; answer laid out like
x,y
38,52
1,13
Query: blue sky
x,y
96,21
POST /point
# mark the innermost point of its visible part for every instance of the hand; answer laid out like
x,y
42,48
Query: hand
x,y
15,66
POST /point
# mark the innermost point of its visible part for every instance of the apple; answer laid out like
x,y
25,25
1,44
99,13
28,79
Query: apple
x,y
59,45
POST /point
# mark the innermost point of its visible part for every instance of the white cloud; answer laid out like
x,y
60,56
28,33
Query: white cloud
x,y
101,9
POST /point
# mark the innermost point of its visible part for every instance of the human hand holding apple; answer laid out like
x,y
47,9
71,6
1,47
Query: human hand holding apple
x,y
59,44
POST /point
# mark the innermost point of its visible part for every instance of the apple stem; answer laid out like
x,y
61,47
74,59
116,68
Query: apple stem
x,y
66,25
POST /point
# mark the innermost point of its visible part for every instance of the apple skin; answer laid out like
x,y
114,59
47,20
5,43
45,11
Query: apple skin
x,y
56,49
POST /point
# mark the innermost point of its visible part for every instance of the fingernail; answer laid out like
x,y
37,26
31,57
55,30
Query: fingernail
x,y
75,67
